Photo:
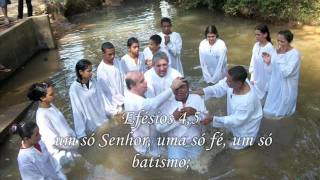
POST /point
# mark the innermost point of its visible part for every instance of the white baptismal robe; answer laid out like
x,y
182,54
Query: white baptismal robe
x,y
111,80
53,125
129,63
135,103
157,84
283,89
244,111
189,128
88,107
213,60
174,48
260,71
34,164
148,55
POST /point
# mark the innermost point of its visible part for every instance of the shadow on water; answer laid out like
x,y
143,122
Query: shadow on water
x,y
295,149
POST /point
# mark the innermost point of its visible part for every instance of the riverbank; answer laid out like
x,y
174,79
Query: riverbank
x,y
21,42
295,13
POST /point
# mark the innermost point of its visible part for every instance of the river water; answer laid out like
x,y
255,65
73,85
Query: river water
x,y
295,149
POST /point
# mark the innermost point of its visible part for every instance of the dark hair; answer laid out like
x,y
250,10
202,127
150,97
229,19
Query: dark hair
x,y
131,41
238,73
82,65
38,90
287,35
130,83
106,45
156,39
165,19
185,81
264,29
25,130
211,29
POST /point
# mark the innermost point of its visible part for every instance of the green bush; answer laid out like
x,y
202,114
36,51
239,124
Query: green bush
x,y
79,6
307,11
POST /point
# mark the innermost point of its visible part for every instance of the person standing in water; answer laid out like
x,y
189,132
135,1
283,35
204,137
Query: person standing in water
x,y
136,103
111,78
34,160
133,60
160,76
261,70
56,134
283,89
88,106
244,111
213,56
172,42
154,46
188,110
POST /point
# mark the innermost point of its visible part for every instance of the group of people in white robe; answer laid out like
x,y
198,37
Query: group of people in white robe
x,y
153,82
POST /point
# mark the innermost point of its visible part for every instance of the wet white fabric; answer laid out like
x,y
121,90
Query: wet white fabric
x,y
148,55
283,89
188,128
111,80
88,108
52,127
34,164
135,103
174,48
244,112
129,63
260,71
213,60
157,84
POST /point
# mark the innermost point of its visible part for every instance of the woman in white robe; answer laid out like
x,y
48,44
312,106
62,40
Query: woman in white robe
x,y
87,101
133,60
259,69
283,89
213,56
34,160
57,135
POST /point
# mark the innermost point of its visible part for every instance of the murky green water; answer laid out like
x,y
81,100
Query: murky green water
x,y
295,150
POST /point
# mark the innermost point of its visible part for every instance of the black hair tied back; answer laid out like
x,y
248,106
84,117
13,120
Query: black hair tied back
x,y
25,130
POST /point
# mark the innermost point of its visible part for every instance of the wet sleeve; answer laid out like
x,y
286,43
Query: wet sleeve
x,y
239,117
288,66
217,90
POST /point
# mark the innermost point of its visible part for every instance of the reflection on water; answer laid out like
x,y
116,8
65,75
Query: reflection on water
x,y
295,150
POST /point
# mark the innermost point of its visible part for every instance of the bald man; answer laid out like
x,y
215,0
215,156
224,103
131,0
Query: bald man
x,y
136,104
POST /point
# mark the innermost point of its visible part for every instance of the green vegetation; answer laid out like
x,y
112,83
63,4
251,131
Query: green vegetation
x,y
72,7
306,11
79,6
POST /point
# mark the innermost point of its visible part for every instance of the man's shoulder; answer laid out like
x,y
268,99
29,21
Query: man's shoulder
x,y
174,73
